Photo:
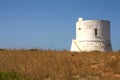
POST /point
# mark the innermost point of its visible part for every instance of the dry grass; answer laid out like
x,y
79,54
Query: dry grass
x,y
61,65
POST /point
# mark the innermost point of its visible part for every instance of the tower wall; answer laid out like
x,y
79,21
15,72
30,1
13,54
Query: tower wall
x,y
92,35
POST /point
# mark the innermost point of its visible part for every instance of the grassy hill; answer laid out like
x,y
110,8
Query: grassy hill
x,y
61,65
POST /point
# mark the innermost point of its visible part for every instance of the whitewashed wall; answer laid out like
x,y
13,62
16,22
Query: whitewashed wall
x,y
88,40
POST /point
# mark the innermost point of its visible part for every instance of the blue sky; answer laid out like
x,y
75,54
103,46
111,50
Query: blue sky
x,y
51,23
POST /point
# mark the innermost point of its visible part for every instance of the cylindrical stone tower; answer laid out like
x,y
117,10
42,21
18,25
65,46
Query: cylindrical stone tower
x,y
92,35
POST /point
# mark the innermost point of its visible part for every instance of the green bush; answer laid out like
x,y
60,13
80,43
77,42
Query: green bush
x,y
33,49
119,50
2,49
11,76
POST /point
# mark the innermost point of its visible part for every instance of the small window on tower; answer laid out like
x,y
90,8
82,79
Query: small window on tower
x,y
79,28
95,32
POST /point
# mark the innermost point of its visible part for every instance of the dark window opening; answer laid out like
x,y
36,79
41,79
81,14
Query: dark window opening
x,y
79,28
95,32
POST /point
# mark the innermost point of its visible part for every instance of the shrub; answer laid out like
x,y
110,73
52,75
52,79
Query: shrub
x,y
119,50
34,49
11,76
2,49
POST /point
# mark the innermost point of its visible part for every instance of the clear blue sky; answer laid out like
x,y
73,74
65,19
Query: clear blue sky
x,y
51,23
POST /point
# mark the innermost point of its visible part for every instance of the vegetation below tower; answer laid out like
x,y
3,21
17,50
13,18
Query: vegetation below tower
x,y
59,65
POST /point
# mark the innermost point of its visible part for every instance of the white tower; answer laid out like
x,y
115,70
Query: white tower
x,y
92,35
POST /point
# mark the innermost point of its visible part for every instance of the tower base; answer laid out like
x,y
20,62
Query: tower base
x,y
86,46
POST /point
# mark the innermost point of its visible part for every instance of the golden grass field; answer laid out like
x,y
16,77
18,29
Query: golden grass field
x,y
61,65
